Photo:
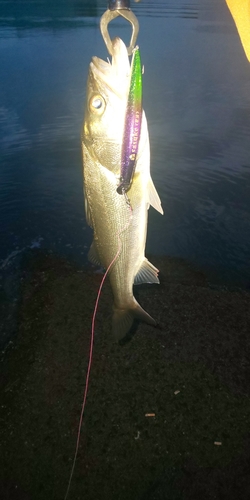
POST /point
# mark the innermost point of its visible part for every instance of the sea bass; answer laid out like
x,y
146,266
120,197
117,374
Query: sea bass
x,y
115,224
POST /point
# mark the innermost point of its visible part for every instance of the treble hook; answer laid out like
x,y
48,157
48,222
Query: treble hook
x,y
119,8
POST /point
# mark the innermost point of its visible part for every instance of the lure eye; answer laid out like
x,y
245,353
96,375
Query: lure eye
x,y
97,104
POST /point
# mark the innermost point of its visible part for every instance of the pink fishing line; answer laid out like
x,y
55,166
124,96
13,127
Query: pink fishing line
x,y
92,343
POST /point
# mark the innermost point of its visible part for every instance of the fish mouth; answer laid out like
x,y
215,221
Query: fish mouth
x,y
115,74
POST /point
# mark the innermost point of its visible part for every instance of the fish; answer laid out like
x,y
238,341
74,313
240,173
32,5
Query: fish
x,y
119,221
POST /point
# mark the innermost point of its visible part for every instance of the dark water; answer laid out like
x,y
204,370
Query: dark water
x,y
197,101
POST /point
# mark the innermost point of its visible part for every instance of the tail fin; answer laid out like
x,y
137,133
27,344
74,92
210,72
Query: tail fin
x,y
123,319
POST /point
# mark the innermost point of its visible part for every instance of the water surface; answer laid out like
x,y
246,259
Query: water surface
x,y
197,101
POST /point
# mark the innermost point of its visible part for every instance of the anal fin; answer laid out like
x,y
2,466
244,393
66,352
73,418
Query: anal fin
x,y
147,273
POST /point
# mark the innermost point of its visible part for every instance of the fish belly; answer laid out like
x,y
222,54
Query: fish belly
x,y
119,231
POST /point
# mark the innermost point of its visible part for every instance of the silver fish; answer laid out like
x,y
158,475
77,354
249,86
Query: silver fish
x,y
115,225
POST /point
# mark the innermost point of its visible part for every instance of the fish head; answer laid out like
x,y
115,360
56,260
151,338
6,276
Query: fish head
x,y
107,91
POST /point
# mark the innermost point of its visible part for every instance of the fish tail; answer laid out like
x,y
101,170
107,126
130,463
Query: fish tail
x,y
123,319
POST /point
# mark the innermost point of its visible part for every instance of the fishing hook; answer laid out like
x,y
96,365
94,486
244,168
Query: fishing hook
x,y
119,8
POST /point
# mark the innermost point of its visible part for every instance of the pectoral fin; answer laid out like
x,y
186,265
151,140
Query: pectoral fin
x,y
153,197
147,274
87,210
93,255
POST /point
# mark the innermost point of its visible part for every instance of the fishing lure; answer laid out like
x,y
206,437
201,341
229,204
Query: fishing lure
x,y
132,127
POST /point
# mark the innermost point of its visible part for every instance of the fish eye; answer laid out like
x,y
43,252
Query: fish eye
x,y
97,104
